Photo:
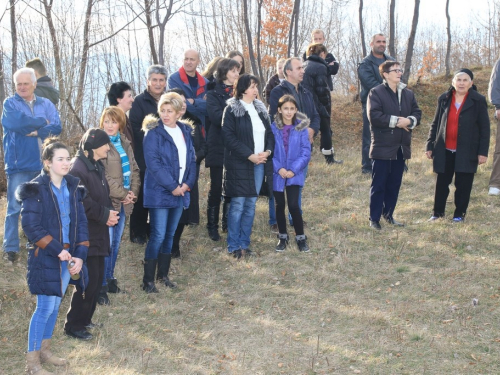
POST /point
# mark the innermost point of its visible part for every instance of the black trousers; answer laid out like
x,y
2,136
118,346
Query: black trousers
x,y
139,217
366,162
215,192
292,195
83,305
326,133
463,185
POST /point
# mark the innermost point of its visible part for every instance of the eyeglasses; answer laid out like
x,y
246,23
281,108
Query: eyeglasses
x,y
396,70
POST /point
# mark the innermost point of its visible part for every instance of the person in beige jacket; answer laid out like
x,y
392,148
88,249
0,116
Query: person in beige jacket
x,y
122,174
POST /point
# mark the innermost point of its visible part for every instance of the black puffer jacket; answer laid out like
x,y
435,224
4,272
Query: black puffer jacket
x,y
384,106
216,102
316,81
473,137
97,203
144,104
237,132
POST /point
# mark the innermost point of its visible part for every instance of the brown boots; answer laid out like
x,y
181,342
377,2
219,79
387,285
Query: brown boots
x,y
35,358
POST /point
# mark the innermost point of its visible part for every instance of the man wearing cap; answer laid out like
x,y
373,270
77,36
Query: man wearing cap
x,y
27,120
494,96
86,165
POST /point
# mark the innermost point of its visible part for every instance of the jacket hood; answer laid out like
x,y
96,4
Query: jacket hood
x,y
239,110
302,122
150,122
188,122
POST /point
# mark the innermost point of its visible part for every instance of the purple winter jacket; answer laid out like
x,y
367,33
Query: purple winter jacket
x,y
299,152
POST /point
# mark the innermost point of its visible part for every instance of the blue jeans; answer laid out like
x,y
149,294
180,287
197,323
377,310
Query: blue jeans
x,y
241,214
115,237
272,211
44,318
163,223
11,227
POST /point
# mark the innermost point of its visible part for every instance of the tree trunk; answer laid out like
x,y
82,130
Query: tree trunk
x,y
290,31
392,29
296,28
361,27
84,60
249,37
56,49
13,34
259,59
149,26
411,42
448,45
162,24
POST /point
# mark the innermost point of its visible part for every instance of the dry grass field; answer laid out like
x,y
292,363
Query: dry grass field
x,y
397,301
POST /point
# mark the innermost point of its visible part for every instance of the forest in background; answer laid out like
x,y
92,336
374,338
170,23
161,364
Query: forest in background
x,y
88,45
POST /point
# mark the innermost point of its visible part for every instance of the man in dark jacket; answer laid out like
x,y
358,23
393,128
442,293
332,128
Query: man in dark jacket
x,y
27,120
44,86
94,146
144,104
369,77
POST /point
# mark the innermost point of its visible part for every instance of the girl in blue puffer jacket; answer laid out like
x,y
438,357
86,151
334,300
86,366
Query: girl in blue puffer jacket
x,y
292,153
54,221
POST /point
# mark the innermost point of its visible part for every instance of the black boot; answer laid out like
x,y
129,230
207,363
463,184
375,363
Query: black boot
x,y
225,210
213,223
148,281
103,299
113,286
330,156
176,252
163,268
283,241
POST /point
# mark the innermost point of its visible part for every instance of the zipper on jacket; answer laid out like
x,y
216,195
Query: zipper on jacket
x,y
60,228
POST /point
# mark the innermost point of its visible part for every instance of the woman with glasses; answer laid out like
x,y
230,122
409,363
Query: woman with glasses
x,y
393,114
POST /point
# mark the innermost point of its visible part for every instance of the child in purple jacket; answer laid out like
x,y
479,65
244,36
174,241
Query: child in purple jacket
x,y
292,153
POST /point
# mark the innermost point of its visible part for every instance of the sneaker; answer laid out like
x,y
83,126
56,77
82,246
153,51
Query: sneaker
x,y
12,256
375,225
274,228
93,325
494,191
282,243
302,245
458,219
433,218
103,299
236,254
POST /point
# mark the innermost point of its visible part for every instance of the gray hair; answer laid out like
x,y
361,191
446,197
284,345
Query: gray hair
x,y
156,69
288,65
374,36
29,71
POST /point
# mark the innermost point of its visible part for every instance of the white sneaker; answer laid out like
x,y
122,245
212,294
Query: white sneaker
x,y
494,191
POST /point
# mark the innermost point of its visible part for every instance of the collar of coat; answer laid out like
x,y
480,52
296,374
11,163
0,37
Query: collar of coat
x,y
239,110
302,122
32,188
199,77
400,88
151,121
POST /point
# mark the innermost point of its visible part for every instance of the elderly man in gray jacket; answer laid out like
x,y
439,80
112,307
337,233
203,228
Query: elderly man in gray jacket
x,y
494,96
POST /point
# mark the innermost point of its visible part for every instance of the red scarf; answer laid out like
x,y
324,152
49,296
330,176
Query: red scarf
x,y
201,81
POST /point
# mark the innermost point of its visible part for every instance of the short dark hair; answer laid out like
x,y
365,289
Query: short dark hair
x,y
315,49
231,54
243,83
178,91
37,65
225,65
386,66
116,91
288,64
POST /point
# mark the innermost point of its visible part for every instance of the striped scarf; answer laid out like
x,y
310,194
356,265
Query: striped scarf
x,y
116,141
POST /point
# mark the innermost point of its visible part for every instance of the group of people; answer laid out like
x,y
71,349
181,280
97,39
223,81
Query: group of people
x,y
144,158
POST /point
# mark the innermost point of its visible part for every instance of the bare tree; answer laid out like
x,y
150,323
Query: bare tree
x,y
448,44
246,20
149,26
392,29
411,42
259,27
361,27
13,35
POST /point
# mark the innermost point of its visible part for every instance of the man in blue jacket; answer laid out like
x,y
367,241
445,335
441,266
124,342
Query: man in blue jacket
x,y
369,77
193,84
27,120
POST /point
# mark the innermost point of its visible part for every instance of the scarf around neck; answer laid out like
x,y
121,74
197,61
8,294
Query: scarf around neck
x,y
201,80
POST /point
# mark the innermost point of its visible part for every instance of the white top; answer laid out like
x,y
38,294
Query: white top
x,y
180,143
259,130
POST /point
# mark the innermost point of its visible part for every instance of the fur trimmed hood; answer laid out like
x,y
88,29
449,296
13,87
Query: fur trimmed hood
x,y
302,122
32,188
239,110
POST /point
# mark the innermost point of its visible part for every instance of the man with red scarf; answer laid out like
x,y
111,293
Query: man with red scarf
x,y
192,83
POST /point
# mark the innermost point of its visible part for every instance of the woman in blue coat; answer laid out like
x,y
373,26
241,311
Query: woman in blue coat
x,y
170,174
54,220
292,152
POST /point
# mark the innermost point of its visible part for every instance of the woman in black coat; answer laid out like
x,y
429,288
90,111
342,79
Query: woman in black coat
x,y
227,74
458,142
316,80
393,113
94,146
248,145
